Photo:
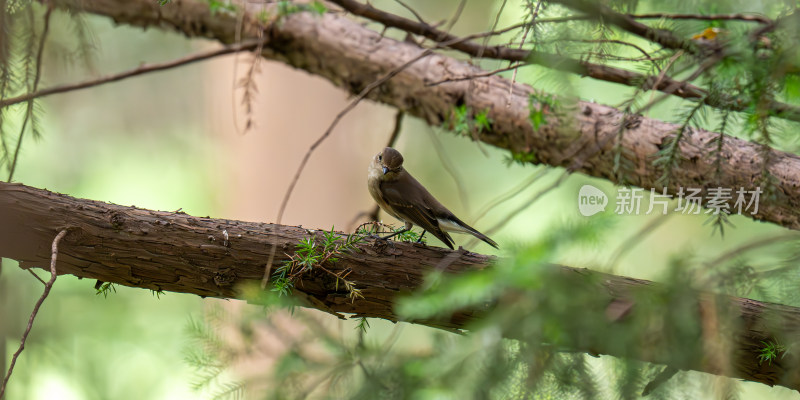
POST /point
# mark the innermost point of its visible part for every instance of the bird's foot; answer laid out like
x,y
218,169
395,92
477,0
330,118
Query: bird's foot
x,y
384,241
419,239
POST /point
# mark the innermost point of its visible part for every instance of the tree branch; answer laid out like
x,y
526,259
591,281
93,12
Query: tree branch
x,y
177,252
705,17
140,70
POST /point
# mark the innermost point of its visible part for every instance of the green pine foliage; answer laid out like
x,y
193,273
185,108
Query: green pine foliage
x,y
316,252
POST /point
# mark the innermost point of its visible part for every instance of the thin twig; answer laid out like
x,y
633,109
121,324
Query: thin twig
x,y
564,175
767,241
37,277
711,17
611,57
667,16
398,125
711,267
494,27
449,168
391,340
475,132
249,86
413,11
522,207
568,18
577,163
664,70
513,192
142,69
456,15
479,75
237,38
525,32
678,84
637,237
47,287
615,41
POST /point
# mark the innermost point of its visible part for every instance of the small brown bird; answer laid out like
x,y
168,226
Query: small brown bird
x,y
401,196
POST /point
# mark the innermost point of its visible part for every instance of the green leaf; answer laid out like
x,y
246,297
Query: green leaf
x,y
318,7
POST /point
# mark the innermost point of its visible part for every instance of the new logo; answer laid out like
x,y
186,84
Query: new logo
x,y
591,200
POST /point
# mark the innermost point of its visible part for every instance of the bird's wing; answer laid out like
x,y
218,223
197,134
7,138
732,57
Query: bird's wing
x,y
409,209
414,210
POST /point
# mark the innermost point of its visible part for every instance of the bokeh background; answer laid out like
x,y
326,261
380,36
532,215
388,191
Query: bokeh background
x,y
173,140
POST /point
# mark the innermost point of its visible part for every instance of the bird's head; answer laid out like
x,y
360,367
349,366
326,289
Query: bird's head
x,y
388,163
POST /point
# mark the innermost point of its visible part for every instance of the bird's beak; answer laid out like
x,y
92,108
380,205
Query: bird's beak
x,y
385,170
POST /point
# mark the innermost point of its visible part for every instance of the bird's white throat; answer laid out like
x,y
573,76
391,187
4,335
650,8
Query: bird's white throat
x,y
375,173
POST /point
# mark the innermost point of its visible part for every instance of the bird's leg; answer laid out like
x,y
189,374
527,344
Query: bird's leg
x,y
395,234
420,236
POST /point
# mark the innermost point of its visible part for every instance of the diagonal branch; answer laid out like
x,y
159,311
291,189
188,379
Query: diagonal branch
x,y
140,70
181,253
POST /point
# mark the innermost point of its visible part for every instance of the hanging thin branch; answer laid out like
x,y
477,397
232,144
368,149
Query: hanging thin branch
x,y
47,287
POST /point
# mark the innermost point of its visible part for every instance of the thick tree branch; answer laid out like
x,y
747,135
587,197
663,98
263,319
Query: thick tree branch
x,y
181,253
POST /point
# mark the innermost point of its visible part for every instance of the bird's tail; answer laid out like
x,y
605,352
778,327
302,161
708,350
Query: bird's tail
x,y
484,238
456,225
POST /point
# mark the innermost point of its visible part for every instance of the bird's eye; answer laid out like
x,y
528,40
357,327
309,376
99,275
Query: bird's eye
x,y
380,157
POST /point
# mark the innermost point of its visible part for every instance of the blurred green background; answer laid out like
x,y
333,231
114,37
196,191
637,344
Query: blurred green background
x,y
169,141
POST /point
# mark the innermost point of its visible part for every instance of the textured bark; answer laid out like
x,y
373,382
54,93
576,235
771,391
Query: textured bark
x,y
180,253
177,252
581,137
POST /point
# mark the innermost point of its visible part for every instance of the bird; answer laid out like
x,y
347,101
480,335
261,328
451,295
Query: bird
x,y
403,197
